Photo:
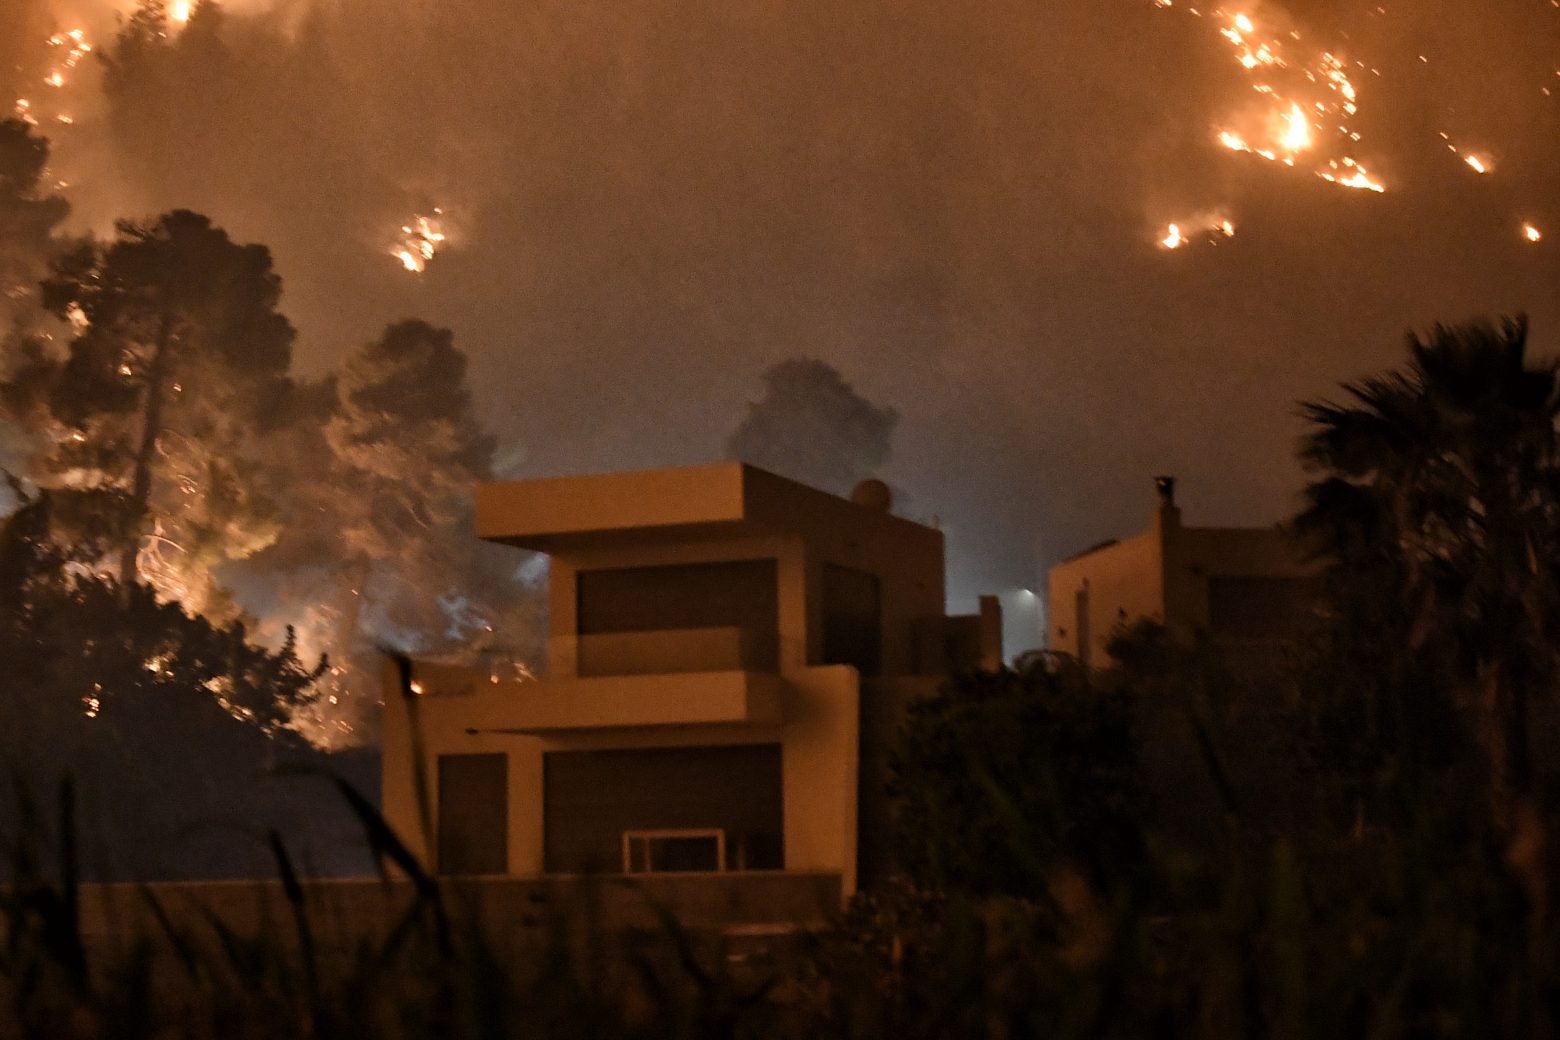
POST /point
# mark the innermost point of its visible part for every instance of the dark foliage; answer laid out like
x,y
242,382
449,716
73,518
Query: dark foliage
x,y
171,726
1005,778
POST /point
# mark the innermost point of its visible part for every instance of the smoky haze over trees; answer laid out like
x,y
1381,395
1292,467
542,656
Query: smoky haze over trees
x,y
29,212
957,205
814,427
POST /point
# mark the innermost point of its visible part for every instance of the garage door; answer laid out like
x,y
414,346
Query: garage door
x,y
677,806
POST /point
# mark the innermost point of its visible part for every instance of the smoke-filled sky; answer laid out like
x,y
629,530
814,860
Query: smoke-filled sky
x,y
960,204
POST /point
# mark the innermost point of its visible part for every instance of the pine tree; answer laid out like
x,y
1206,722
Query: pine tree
x,y
179,355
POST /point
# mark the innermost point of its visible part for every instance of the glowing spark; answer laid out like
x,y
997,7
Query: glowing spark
x,y
1531,233
1479,163
55,79
1244,24
1350,174
416,688
180,11
1173,239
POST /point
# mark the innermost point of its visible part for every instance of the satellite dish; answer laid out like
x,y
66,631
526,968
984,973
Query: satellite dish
x,y
873,494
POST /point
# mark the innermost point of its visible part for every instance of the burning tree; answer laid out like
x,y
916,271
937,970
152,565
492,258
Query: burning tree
x,y
177,359
379,540
29,213
169,437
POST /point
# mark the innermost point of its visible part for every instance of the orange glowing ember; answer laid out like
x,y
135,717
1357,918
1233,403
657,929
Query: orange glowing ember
x,y
1210,228
420,242
1350,174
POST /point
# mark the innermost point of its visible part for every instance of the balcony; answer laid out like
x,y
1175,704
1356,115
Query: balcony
x,y
675,651
550,706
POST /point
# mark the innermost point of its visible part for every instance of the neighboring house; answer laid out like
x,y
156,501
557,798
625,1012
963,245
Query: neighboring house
x,y
730,652
1247,588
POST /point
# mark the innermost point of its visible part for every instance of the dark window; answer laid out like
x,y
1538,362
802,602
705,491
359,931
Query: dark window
x,y
740,594
1257,607
667,798
473,814
852,619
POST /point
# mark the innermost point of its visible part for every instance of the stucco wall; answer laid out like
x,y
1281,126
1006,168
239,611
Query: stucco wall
x,y
819,738
1125,581
1194,554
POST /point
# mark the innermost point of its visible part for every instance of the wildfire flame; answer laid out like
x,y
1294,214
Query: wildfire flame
x,y
1297,130
1209,228
69,48
1350,174
420,242
1301,95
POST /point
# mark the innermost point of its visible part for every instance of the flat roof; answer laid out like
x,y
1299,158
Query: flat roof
x,y
726,499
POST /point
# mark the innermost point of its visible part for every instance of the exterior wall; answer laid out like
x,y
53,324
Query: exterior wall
x,y
906,557
570,506
1125,581
821,771
518,912
819,734
884,703
1196,554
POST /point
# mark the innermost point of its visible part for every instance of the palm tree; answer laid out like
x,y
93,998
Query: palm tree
x,y
1445,477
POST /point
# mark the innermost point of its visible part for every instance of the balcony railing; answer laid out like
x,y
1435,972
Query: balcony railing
x,y
674,651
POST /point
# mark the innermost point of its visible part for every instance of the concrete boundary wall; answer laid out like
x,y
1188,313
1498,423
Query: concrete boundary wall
x,y
364,909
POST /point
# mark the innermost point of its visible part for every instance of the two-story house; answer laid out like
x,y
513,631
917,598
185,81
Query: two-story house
x,y
728,657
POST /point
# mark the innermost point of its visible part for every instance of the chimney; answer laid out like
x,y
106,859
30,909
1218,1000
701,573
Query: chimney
x,y
1168,514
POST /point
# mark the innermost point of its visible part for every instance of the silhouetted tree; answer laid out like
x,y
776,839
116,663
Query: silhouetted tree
x,y
1006,780
165,721
1437,502
812,426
